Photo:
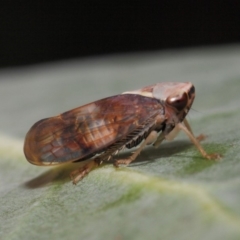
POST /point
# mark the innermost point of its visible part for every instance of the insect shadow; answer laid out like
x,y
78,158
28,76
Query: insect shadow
x,y
61,173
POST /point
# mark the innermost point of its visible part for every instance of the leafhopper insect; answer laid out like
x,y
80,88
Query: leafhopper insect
x,y
99,130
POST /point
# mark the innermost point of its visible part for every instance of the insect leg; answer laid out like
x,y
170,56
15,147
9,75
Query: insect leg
x,y
187,126
80,173
169,137
195,141
174,133
150,139
200,138
159,140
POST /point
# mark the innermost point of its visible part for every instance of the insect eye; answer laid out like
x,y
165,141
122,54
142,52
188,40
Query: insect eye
x,y
179,102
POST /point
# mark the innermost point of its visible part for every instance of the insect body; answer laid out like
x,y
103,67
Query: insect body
x,y
100,129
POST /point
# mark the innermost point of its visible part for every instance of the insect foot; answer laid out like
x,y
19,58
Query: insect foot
x,y
125,162
201,137
213,156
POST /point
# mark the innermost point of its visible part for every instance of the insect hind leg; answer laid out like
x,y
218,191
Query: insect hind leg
x,y
80,173
150,139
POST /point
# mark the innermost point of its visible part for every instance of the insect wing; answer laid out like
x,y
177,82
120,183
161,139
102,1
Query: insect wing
x,y
87,130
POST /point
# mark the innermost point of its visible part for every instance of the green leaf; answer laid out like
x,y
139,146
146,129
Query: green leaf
x,y
167,193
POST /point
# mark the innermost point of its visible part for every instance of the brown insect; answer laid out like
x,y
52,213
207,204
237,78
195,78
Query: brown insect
x,y
99,130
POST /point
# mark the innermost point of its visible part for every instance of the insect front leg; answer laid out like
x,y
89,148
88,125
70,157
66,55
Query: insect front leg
x,y
186,128
80,173
200,138
174,133
150,139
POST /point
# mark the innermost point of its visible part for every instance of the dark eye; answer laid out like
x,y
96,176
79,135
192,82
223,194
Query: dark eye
x,y
179,102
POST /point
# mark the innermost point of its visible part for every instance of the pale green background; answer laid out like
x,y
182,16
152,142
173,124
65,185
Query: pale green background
x,y
169,193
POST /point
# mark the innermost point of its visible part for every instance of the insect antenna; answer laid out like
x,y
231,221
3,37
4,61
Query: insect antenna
x,y
194,110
